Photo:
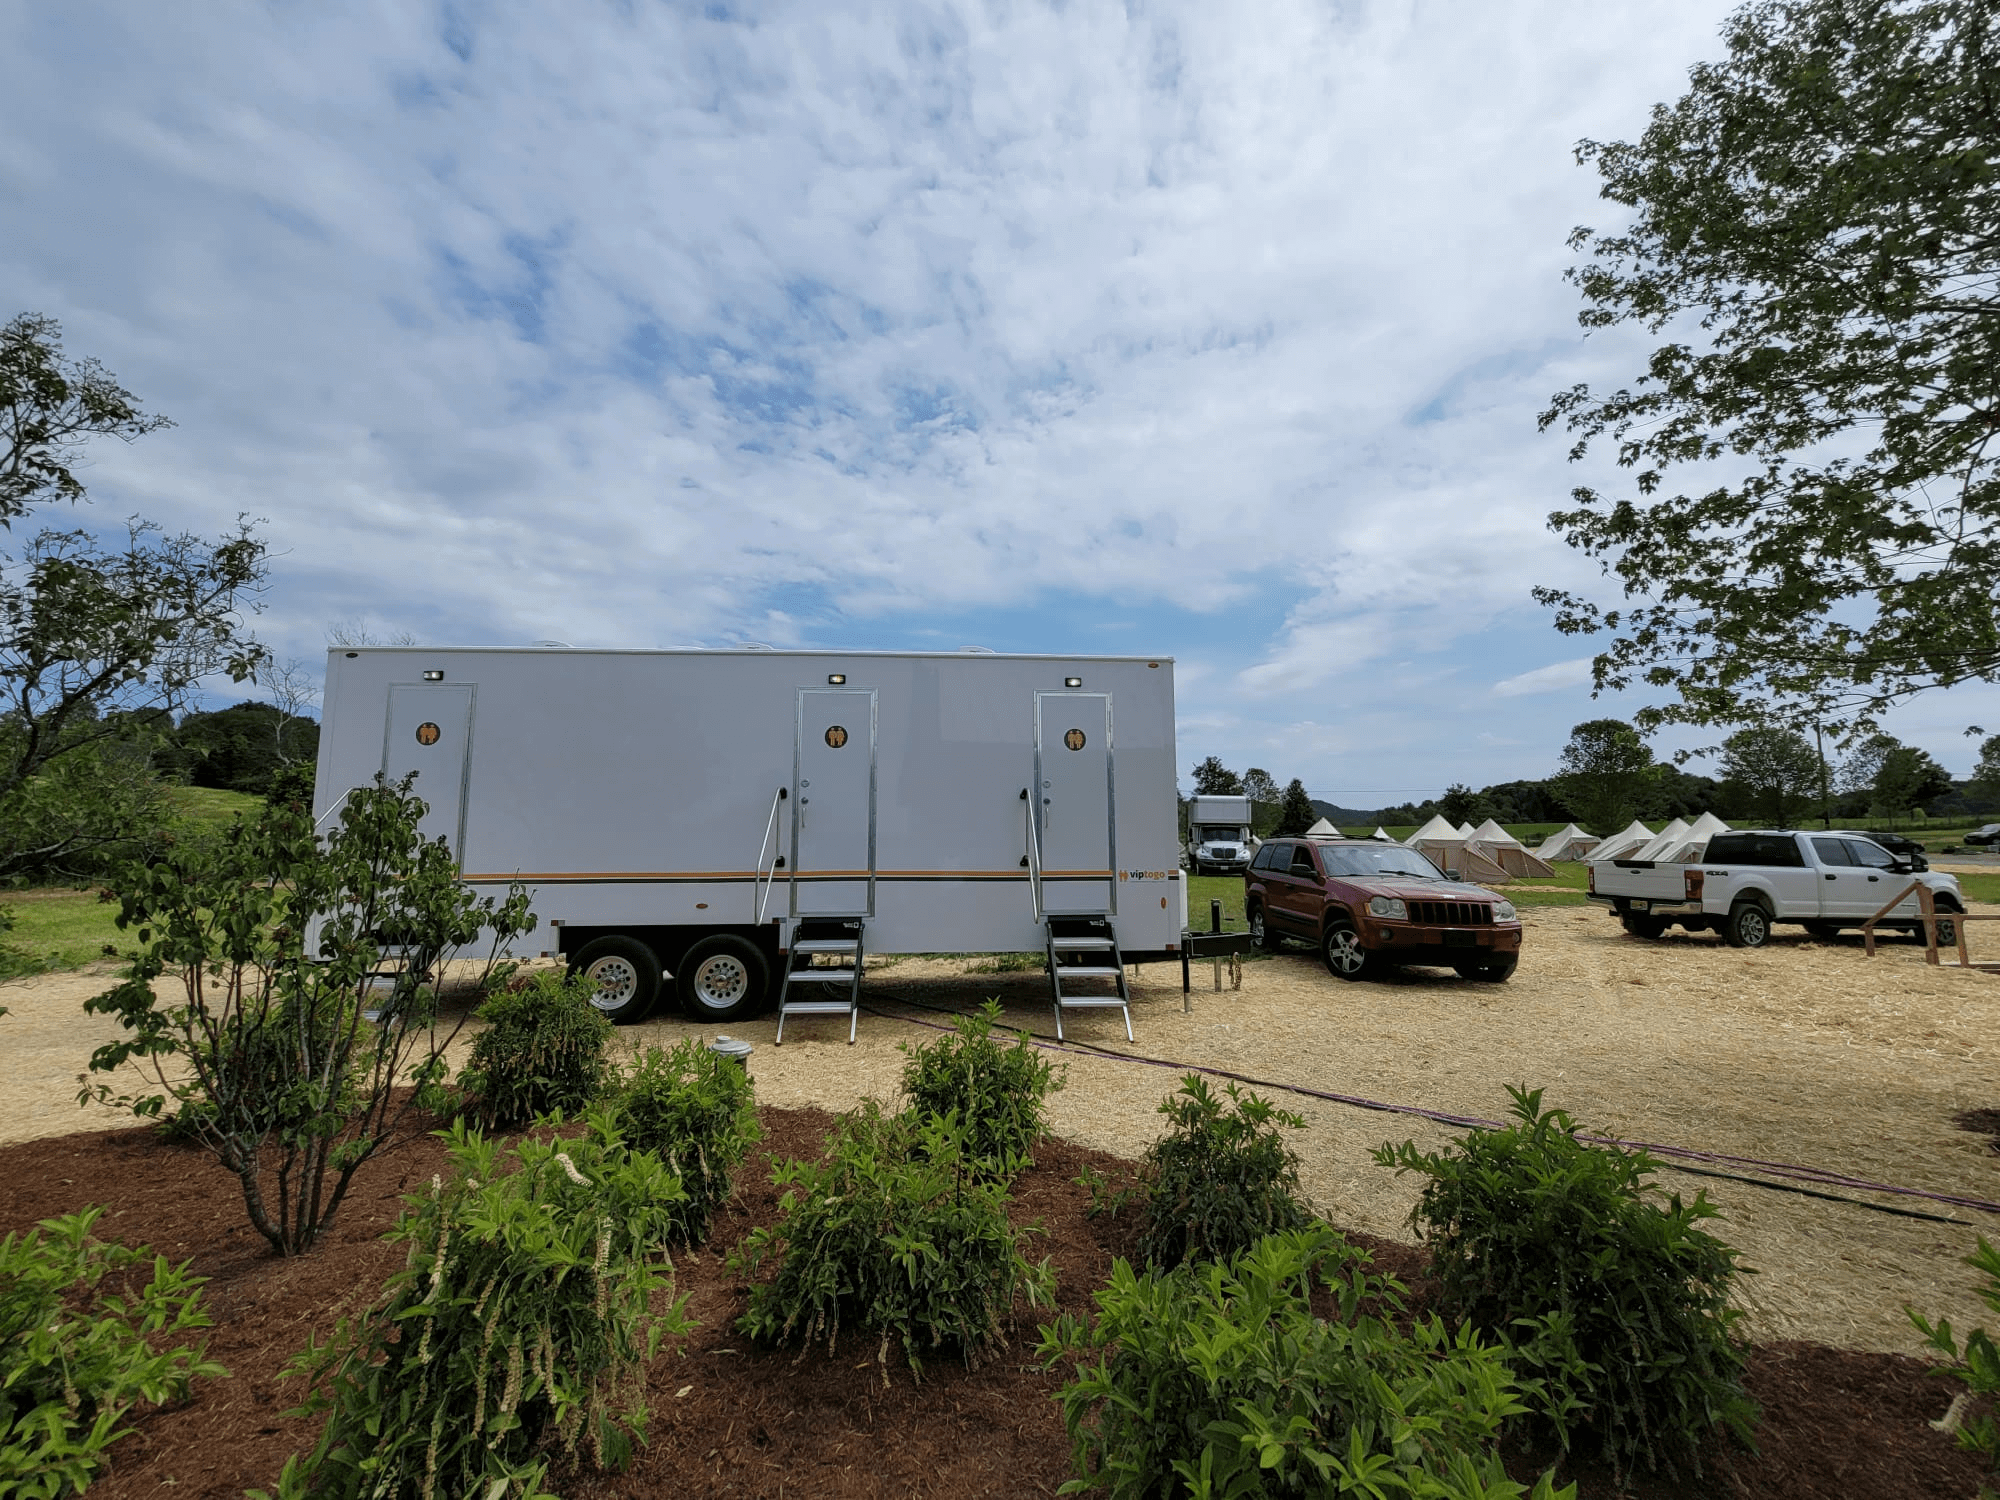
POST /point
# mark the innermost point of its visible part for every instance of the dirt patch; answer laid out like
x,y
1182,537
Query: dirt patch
x,y
767,1423
1803,1052
1984,1122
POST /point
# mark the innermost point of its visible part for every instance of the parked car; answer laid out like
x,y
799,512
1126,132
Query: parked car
x,y
1903,848
1987,835
1364,904
1748,881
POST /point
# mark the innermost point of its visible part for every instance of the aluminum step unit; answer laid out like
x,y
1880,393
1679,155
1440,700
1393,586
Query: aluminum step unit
x,y
823,972
1080,947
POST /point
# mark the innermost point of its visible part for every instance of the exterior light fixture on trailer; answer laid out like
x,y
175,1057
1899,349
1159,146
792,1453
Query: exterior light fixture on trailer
x,y
433,676
1072,682
836,679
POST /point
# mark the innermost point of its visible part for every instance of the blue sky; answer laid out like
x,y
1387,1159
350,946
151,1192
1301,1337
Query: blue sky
x,y
1210,331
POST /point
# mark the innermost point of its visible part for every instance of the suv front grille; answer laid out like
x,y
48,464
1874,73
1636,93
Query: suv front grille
x,y
1451,913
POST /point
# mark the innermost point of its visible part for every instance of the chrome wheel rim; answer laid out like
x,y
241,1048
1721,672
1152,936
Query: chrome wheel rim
x,y
1753,928
1257,926
721,981
1343,950
617,982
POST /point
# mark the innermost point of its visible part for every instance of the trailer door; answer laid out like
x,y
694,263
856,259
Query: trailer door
x,y
430,733
833,804
1073,770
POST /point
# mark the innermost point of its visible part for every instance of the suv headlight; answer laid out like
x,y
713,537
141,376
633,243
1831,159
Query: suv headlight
x,y
1388,906
1503,911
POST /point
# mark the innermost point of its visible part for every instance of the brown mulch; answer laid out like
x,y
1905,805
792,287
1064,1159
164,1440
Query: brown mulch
x,y
770,1423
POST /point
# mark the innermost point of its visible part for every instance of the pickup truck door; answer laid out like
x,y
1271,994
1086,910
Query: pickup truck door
x,y
1795,888
1843,883
1881,881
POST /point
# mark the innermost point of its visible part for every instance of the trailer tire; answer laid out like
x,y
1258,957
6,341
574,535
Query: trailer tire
x,y
627,975
1640,925
1749,926
722,978
1261,932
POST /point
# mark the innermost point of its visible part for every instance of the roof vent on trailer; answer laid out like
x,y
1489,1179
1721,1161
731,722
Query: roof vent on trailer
x,y
978,650
554,645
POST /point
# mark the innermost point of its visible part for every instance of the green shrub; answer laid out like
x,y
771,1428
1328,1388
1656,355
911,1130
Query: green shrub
x,y
1977,1365
893,1230
996,1091
543,1049
1221,1179
263,1068
73,1361
1217,1380
521,1326
1617,1301
697,1112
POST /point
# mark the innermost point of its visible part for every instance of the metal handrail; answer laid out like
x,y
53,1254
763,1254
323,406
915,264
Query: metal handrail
x,y
767,878
1034,855
337,801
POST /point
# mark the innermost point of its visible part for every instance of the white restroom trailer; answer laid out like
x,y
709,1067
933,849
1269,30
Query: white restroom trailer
x,y
742,826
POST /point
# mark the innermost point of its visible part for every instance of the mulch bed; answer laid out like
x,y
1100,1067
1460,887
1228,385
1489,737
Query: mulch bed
x,y
769,1423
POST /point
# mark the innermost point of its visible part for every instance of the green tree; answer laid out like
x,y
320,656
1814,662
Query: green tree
x,y
1906,780
1460,803
91,634
1815,229
290,1065
1296,813
1607,775
1213,779
1262,790
1771,773
1986,775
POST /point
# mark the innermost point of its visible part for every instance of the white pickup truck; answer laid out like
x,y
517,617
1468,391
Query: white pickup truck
x,y
1747,882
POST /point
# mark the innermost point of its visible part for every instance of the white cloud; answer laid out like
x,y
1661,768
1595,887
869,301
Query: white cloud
x,y
632,326
1550,679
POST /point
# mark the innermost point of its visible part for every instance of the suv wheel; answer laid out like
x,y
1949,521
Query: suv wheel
x,y
1262,935
1749,926
1340,946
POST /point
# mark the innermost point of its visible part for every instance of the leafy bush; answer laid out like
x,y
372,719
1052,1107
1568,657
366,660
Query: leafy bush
x,y
1977,1365
1216,1379
1618,1302
1221,1179
543,1050
523,1321
73,1362
697,1112
896,1231
996,1092
224,922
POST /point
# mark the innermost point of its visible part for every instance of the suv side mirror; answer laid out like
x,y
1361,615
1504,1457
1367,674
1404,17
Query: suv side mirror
x,y
1453,875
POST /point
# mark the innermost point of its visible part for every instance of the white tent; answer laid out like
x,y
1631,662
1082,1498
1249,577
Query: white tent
x,y
1667,838
1491,832
1500,846
1324,830
1623,845
1692,845
1571,843
1467,831
1438,830
1381,835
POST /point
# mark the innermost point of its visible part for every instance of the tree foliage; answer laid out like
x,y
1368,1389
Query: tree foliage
x,y
1213,779
272,1030
1607,775
1296,813
1815,233
49,406
1772,773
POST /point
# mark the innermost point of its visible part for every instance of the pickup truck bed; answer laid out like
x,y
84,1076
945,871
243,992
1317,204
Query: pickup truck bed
x,y
1747,882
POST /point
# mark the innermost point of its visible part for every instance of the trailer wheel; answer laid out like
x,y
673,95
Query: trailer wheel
x,y
1749,926
626,973
722,978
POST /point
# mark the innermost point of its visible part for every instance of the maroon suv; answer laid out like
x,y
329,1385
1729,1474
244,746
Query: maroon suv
x,y
1363,903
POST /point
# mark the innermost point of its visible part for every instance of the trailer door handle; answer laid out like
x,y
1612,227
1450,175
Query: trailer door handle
x,y
1833,877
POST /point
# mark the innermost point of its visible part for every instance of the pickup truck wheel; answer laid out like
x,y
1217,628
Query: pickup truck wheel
x,y
1496,971
626,973
1642,926
1261,934
1947,931
722,978
1749,926
1340,946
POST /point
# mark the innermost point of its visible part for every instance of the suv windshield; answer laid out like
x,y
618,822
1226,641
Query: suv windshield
x,y
1376,859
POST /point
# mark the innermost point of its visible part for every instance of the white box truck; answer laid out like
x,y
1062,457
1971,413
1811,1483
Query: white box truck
x,y
743,826
1219,841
